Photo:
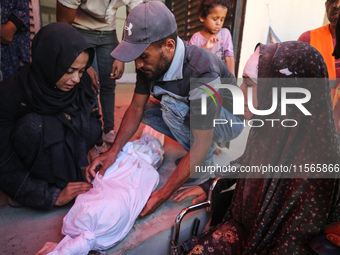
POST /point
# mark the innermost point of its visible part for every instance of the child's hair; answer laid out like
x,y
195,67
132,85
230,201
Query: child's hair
x,y
207,5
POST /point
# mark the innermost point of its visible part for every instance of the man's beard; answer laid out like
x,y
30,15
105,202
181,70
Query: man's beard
x,y
332,19
160,69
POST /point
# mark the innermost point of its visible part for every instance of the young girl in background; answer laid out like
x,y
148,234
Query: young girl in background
x,y
213,37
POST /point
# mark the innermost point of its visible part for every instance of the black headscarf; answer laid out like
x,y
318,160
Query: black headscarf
x,y
282,145
336,52
54,48
66,115
281,215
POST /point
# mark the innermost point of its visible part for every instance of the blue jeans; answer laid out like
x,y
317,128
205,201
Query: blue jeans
x,y
168,117
104,43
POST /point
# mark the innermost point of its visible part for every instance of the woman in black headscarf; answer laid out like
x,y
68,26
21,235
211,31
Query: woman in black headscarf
x,y
279,213
48,121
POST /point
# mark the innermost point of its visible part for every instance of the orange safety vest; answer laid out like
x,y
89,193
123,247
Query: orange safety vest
x,y
321,39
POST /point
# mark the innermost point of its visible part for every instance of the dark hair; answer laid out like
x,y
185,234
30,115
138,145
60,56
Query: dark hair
x,y
206,5
158,44
336,52
90,51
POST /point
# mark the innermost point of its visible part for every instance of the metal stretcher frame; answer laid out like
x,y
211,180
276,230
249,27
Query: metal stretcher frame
x,y
207,204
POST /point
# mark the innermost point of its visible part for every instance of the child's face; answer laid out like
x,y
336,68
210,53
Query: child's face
x,y
215,19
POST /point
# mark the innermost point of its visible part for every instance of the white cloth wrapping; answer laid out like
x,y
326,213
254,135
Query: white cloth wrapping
x,y
103,216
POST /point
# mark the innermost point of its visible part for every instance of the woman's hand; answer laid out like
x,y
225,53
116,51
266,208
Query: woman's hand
x,y
334,239
7,32
100,164
72,190
193,191
333,233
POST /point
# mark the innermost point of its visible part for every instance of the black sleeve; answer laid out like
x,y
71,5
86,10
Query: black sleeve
x,y
15,179
20,15
142,86
206,185
17,22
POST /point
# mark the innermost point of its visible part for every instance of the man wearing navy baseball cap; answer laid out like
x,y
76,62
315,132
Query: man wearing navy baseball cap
x,y
176,75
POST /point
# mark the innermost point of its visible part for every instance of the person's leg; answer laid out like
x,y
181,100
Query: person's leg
x,y
107,43
225,132
153,118
174,113
92,38
168,117
104,43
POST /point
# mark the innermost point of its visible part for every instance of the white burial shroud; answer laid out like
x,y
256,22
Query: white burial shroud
x,y
103,216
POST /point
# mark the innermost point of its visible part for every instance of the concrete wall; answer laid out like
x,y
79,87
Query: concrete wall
x,y
289,19
48,11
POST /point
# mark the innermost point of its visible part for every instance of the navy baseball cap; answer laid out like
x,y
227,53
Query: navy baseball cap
x,y
148,22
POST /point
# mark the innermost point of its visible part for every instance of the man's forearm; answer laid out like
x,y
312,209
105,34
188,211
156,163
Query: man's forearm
x,y
178,177
128,126
193,158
